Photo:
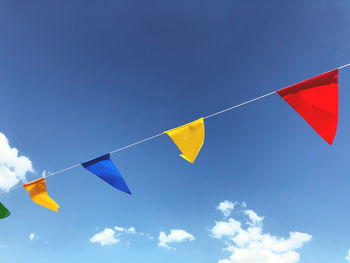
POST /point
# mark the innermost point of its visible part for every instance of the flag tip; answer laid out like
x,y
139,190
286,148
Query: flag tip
x,y
188,160
127,191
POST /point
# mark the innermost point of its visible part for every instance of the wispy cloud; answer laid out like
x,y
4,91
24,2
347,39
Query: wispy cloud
x,y
111,236
347,257
254,218
251,245
33,236
226,207
13,167
175,236
104,238
149,236
130,230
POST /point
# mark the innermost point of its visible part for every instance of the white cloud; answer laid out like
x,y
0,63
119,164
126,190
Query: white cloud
x,y
119,229
33,236
106,237
244,204
254,218
13,168
130,230
228,228
226,207
175,236
111,236
347,257
250,245
149,236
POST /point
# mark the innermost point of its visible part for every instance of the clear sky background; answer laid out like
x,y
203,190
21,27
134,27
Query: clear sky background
x,y
81,78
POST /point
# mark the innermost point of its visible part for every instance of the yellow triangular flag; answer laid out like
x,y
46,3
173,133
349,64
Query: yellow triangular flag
x,y
189,139
38,193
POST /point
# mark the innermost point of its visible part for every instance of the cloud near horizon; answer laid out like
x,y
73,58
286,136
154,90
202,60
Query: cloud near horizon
x,y
175,236
130,230
247,242
105,237
110,236
347,257
33,236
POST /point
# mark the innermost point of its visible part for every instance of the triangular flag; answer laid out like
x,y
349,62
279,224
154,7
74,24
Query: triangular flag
x,y
316,100
189,139
3,211
38,193
104,168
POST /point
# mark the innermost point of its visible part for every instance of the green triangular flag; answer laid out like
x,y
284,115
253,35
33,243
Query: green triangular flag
x,y
3,211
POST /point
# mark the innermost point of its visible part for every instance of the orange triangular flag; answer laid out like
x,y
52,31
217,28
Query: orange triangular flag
x,y
38,193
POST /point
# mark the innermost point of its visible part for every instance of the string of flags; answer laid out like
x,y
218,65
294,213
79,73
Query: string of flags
x,y
315,100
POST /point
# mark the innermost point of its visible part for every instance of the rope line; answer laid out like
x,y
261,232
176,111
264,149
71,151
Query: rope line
x,y
155,136
239,105
347,65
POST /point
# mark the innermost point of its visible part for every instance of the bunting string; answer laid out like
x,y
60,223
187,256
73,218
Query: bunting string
x,y
239,105
158,135
347,65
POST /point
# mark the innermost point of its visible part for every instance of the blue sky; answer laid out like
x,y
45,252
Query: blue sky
x,y
81,79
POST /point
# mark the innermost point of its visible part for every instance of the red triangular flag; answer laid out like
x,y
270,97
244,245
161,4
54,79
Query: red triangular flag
x,y
316,100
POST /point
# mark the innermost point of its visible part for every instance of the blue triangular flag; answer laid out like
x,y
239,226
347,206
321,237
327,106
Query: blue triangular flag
x,y
104,168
